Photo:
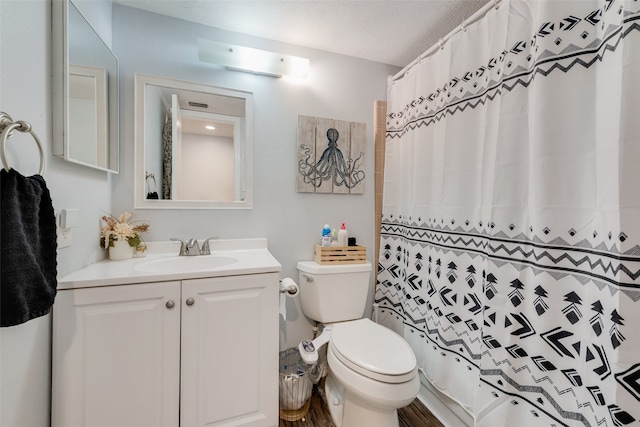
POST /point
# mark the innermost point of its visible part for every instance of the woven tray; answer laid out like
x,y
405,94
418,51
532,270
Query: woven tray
x,y
340,254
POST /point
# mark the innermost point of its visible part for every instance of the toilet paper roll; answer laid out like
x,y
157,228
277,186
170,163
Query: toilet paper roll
x,y
288,289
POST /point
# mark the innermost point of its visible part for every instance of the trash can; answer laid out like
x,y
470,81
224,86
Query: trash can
x,y
295,386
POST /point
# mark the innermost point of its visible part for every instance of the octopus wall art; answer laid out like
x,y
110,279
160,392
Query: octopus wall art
x,y
330,156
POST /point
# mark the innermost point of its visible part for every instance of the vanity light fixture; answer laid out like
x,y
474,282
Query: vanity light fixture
x,y
247,59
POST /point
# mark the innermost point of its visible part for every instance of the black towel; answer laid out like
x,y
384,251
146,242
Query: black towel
x,y
28,264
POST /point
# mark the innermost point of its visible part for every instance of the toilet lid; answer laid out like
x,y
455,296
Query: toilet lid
x,y
373,350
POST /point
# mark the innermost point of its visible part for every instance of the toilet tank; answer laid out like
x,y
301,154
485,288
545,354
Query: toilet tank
x,y
333,293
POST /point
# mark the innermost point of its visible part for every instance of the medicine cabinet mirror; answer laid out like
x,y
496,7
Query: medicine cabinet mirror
x,y
85,91
193,145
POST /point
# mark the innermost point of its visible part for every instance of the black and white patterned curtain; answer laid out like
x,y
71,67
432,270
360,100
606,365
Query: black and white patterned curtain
x,y
510,247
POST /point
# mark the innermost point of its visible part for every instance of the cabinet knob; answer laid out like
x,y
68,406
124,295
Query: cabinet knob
x,y
170,304
190,301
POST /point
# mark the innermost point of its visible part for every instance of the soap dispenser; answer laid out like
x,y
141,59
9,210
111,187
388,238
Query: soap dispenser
x,y
343,236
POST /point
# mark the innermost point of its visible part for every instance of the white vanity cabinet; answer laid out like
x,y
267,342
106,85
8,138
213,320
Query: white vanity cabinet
x,y
190,353
229,361
116,356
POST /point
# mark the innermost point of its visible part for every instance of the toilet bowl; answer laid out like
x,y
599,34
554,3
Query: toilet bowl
x,y
372,370
372,373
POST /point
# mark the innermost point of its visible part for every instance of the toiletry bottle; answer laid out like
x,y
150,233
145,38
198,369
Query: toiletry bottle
x,y
334,237
343,236
326,235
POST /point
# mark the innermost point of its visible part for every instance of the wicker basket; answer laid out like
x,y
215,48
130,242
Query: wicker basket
x,y
328,255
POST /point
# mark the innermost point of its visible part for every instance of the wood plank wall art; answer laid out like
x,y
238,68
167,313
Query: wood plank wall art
x,y
331,156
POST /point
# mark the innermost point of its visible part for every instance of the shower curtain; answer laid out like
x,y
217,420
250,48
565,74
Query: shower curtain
x,y
509,255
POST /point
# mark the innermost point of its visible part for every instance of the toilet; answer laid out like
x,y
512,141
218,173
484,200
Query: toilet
x,y
372,370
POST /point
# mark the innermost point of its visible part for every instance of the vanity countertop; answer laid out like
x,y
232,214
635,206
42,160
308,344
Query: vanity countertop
x,y
241,256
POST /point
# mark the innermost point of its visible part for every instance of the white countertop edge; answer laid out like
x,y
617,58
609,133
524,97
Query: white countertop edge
x,y
252,254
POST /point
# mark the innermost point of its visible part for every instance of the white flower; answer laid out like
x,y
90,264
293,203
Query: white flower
x,y
120,229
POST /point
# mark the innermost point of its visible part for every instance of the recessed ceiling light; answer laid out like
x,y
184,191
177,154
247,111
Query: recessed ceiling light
x,y
210,127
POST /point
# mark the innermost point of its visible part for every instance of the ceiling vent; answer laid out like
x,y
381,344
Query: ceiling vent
x,y
197,104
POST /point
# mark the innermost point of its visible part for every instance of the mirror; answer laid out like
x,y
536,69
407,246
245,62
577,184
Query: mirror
x,y
193,145
85,92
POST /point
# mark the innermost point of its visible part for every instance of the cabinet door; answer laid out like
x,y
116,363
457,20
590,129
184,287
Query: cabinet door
x,y
116,356
230,351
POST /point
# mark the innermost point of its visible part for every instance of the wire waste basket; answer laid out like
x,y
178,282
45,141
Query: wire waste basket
x,y
295,385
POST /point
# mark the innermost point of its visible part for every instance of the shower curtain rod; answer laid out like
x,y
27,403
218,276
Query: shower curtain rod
x,y
473,18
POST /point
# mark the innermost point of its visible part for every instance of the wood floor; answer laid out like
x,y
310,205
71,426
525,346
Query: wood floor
x,y
414,415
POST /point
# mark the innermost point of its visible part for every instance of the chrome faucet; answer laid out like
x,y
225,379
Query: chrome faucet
x,y
191,247
183,246
205,246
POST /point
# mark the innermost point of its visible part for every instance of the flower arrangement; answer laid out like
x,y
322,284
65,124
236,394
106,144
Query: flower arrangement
x,y
121,229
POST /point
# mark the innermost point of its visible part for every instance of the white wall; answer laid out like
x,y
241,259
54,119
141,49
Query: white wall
x,y
337,87
25,94
85,117
207,169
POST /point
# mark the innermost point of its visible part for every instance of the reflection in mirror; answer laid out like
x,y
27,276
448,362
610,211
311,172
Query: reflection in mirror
x,y
85,92
88,115
194,145
204,164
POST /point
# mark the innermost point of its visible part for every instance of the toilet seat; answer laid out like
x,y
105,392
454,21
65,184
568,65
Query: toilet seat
x,y
373,350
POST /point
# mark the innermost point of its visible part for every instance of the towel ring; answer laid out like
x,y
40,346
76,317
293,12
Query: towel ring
x,y
7,126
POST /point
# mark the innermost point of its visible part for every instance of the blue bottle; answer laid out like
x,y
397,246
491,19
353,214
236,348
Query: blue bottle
x,y
326,235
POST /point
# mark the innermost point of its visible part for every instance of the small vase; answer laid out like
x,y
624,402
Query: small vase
x,y
120,250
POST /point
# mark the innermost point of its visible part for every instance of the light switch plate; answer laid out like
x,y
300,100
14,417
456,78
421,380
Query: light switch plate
x,y
68,218
63,234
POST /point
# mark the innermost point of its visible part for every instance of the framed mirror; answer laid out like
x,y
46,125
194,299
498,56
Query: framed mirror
x,y
85,91
193,145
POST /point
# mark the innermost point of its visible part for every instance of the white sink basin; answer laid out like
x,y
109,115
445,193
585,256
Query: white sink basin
x,y
186,264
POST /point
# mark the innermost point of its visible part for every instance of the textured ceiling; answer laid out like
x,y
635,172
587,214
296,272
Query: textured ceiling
x,y
391,32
